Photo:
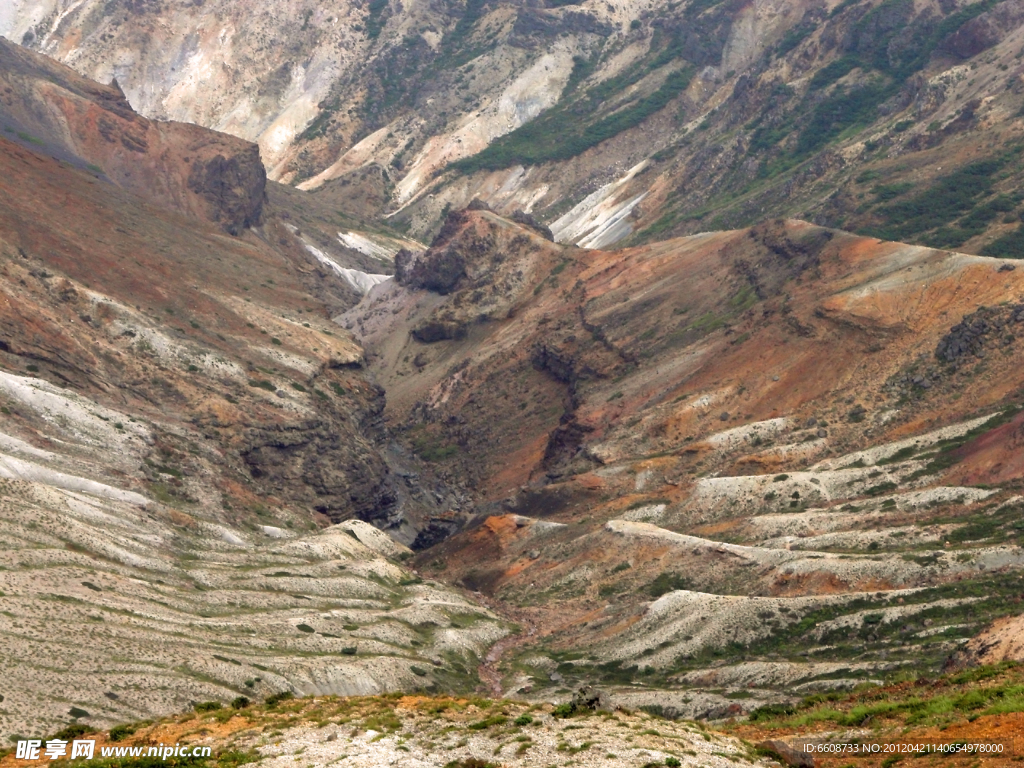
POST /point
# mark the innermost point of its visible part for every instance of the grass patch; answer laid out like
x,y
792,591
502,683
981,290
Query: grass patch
x,y
564,131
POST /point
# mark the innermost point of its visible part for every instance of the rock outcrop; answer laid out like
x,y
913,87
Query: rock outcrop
x,y
988,327
233,187
1003,640
349,102
196,171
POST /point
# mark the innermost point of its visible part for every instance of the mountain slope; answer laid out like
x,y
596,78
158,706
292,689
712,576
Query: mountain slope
x,y
709,472
786,449
606,120
186,440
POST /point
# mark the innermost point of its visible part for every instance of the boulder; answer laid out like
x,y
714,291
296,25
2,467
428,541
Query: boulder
x,y
590,698
787,753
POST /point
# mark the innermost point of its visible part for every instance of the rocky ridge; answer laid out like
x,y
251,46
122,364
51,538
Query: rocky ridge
x,y
183,167
605,121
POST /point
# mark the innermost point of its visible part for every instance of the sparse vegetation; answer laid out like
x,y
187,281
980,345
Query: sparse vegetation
x,y
560,134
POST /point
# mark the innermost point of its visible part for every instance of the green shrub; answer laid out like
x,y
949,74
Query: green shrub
x,y
72,731
240,702
30,138
274,699
836,70
488,722
564,711
880,489
207,706
843,109
667,582
886,192
793,38
771,712
119,732
431,451
1008,246
561,133
949,198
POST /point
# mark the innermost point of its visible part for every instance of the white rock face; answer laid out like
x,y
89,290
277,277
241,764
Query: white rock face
x,y
374,538
289,73
240,68
361,281
537,89
600,218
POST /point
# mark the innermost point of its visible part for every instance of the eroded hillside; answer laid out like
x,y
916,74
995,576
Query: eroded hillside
x,y
187,442
615,121
745,461
709,473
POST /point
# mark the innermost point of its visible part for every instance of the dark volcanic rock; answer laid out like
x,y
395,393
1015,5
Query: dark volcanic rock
x,y
787,753
777,256
521,217
329,463
439,330
556,362
439,272
970,335
590,698
436,531
234,187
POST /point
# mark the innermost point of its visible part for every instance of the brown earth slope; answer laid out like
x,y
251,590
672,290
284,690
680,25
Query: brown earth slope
x,y
181,427
185,167
655,435
607,120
